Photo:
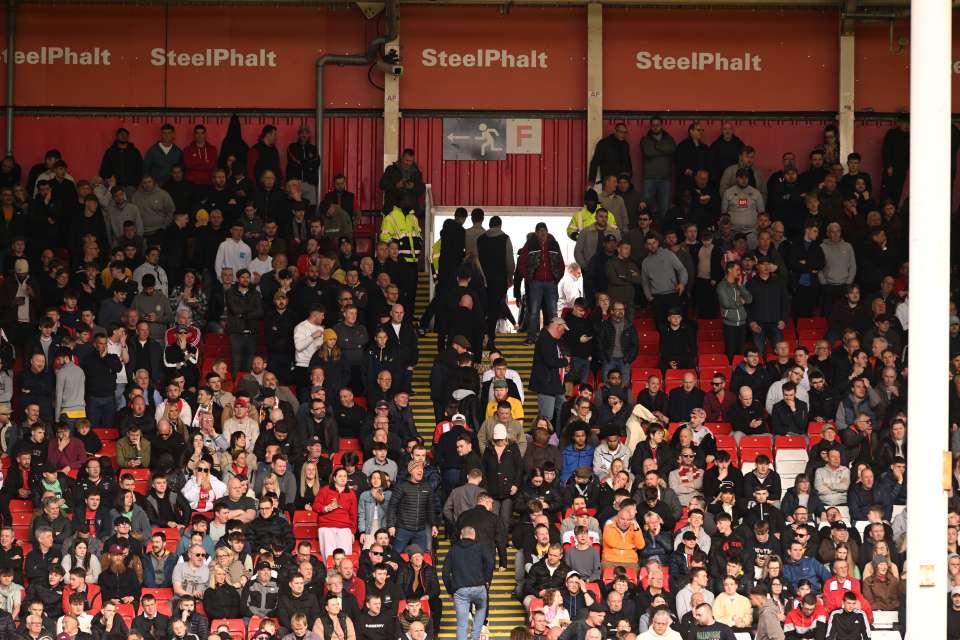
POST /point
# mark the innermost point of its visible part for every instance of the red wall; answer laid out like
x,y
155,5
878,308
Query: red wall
x,y
354,146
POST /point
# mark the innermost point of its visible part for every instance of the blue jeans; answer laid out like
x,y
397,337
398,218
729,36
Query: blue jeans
x,y
656,192
463,598
405,537
768,331
620,364
100,411
549,406
540,294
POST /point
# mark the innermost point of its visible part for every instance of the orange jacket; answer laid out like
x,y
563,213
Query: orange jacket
x,y
620,546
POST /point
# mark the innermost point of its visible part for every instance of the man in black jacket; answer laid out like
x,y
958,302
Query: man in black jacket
x,y
375,623
495,251
850,622
611,156
402,336
770,309
410,513
145,352
278,329
548,573
244,311
298,600
488,527
467,574
268,528
151,624
101,369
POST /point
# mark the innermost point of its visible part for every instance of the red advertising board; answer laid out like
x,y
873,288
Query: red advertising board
x,y
882,67
188,56
719,60
479,58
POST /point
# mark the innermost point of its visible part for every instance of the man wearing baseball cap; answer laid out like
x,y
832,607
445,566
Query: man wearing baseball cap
x,y
549,363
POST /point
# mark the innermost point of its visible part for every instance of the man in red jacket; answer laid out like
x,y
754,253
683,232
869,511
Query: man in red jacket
x,y
200,158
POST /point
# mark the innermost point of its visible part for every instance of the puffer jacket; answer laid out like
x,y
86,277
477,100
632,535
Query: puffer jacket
x,y
260,599
411,506
533,255
629,340
622,546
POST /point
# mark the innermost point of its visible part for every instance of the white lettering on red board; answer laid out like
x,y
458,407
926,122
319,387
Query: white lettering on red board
x,y
219,57
699,61
485,58
60,55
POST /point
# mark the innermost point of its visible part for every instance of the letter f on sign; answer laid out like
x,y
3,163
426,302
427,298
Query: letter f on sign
x,y
524,132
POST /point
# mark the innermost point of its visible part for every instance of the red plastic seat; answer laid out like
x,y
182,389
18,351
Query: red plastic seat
x,y
712,348
607,575
754,442
105,433
710,361
109,450
719,428
677,374
593,588
646,361
162,595
713,323
216,339
126,612
790,442
751,454
335,460
815,428
349,444
171,533
812,323
18,506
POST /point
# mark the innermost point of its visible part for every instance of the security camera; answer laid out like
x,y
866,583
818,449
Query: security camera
x,y
394,69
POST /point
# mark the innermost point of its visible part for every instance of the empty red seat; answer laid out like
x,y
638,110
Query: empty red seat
x,y
18,506
754,442
713,347
790,442
812,323
709,361
105,433
719,428
109,450
349,444
714,323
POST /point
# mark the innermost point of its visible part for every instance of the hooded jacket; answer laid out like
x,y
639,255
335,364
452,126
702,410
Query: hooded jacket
x,y
124,163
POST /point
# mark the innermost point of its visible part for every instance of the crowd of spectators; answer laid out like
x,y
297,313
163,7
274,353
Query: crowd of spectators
x,y
206,419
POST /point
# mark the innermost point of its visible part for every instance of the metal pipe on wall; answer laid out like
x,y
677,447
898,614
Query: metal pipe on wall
x,y
11,66
373,50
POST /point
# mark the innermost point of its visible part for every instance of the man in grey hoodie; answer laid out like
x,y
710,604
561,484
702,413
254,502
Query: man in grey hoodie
x,y
663,278
840,267
155,205
71,382
768,622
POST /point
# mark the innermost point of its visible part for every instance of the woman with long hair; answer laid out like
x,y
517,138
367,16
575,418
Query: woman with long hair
x,y
126,506
235,461
220,598
189,295
372,507
80,557
732,608
237,574
203,488
336,507
310,486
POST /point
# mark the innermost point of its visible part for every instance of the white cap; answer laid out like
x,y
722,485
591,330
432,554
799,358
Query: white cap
x,y
499,432
459,417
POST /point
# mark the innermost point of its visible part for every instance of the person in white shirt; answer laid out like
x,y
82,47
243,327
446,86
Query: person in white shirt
x,y
570,287
307,338
511,374
152,265
263,263
233,252
117,345
660,628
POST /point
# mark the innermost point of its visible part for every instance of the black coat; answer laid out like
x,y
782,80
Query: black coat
x,y
500,474
548,359
407,348
411,506
263,532
222,602
452,249
611,157
125,164
489,528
